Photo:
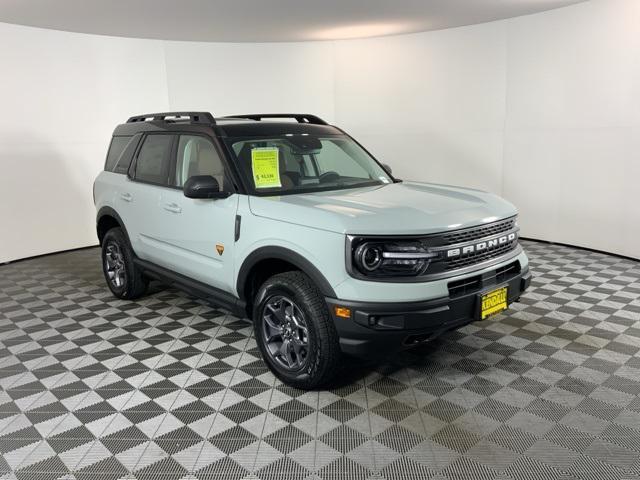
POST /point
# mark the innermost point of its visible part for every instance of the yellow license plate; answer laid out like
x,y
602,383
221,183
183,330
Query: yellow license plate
x,y
493,302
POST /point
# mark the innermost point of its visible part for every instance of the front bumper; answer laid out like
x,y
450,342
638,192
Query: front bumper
x,y
376,329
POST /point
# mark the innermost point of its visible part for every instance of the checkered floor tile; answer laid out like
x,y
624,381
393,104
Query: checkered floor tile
x,y
171,388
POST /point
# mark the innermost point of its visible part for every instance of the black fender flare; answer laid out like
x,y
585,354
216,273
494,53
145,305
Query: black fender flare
x,y
282,253
110,212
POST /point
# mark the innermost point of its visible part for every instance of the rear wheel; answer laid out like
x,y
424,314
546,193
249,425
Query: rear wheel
x,y
124,278
295,332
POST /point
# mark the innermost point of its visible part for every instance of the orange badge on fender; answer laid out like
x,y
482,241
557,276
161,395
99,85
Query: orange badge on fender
x,y
219,248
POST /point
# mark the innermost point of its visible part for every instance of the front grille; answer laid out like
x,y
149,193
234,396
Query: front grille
x,y
475,233
477,257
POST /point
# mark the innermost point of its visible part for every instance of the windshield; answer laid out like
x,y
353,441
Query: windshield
x,y
300,163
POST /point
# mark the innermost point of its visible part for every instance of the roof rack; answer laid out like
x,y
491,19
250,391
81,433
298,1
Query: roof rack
x,y
194,117
300,117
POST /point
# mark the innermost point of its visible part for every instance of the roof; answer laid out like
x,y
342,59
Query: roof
x,y
252,128
254,125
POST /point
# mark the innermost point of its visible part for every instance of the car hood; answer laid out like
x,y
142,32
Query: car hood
x,y
397,208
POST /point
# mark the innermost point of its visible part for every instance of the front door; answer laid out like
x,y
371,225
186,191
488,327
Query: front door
x,y
198,234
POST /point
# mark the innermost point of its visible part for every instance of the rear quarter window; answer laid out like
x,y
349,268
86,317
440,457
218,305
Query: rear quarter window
x,y
117,146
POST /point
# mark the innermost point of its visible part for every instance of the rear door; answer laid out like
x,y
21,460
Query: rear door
x,y
142,198
112,187
198,234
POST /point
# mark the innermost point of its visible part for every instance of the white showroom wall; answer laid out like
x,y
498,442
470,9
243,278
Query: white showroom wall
x,y
242,78
431,104
61,95
572,139
543,109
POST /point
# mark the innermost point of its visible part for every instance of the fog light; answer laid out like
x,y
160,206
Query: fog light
x,y
342,312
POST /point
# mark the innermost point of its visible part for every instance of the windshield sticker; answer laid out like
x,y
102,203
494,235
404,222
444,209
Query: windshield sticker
x,y
384,179
265,167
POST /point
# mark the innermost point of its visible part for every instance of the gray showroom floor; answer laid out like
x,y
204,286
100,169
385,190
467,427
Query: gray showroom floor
x,y
168,387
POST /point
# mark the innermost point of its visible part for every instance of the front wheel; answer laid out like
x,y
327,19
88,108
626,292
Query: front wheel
x,y
295,332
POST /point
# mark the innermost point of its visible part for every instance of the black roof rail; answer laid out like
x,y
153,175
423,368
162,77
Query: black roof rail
x,y
300,117
194,117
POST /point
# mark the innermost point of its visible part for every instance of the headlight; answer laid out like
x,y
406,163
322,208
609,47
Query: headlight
x,y
369,257
378,258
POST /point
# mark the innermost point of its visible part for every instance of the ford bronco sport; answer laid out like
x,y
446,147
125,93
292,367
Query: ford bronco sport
x,y
289,221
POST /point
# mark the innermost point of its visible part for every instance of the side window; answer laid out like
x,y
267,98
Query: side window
x,y
116,148
153,160
124,162
197,156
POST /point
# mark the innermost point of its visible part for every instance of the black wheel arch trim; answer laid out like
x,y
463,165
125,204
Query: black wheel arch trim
x,y
110,212
285,254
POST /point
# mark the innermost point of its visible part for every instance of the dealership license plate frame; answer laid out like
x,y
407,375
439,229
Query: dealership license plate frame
x,y
486,311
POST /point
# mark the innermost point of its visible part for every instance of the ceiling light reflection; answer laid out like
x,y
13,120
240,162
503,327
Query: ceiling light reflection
x,y
363,31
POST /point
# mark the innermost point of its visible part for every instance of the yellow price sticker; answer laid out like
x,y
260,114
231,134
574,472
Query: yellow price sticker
x,y
265,166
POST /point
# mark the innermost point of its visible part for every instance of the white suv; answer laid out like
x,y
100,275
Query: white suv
x,y
289,221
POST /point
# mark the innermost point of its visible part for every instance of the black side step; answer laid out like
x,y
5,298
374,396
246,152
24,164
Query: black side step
x,y
196,288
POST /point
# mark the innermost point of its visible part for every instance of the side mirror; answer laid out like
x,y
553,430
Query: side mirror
x,y
387,168
203,186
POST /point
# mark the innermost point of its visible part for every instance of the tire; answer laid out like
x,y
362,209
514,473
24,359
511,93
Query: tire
x,y
128,283
318,362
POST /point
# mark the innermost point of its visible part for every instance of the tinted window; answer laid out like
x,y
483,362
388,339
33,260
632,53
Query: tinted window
x,y
153,160
115,150
125,158
197,156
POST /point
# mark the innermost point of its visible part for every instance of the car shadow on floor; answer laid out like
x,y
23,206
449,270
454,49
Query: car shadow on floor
x,y
357,370
353,370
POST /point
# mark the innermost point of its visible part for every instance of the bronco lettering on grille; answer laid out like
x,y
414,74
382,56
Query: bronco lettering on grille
x,y
480,246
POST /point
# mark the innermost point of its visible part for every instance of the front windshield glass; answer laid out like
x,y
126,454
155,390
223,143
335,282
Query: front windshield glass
x,y
300,163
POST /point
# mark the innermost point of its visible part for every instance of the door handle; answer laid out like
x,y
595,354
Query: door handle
x,y
126,197
173,207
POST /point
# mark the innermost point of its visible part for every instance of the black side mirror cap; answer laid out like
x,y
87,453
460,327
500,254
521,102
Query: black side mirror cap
x,y
387,168
203,186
